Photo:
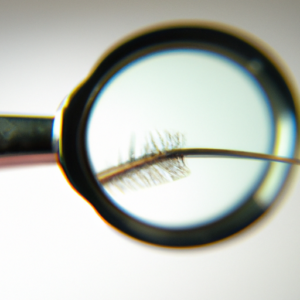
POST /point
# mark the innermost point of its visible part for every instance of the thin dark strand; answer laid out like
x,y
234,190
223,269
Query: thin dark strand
x,y
194,152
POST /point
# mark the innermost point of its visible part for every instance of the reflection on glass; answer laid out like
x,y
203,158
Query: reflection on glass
x,y
167,102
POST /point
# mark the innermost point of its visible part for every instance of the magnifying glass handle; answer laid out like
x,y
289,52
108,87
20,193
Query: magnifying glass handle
x,y
25,140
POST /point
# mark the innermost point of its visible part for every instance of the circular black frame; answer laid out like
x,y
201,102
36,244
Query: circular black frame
x,y
72,153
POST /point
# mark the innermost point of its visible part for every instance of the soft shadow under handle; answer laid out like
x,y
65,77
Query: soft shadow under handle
x,y
25,140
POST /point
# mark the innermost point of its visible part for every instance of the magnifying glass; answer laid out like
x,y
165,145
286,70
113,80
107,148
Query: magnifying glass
x,y
181,135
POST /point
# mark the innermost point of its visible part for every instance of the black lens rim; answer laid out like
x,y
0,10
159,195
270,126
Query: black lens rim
x,y
73,156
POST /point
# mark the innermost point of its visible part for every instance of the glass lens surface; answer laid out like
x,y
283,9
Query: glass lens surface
x,y
179,99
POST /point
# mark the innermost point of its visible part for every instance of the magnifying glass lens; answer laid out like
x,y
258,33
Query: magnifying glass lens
x,y
182,135
173,99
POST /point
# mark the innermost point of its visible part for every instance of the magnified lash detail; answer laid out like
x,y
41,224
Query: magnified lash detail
x,y
164,161
152,168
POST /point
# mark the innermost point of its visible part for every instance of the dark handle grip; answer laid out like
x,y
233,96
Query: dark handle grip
x,y
21,135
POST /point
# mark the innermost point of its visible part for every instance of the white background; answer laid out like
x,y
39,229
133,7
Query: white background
x,y
52,243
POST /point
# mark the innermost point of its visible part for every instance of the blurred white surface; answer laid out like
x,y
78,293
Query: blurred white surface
x,y
52,243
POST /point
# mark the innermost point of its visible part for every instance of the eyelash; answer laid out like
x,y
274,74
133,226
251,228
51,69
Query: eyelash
x,y
157,164
164,161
